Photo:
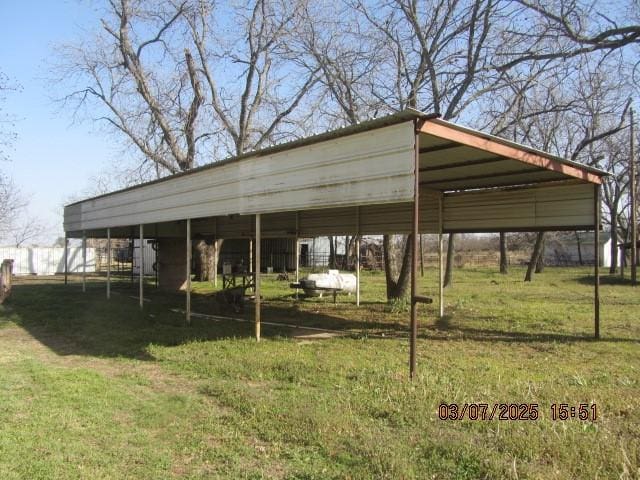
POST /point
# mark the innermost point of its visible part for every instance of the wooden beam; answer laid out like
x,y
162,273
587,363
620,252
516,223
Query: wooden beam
x,y
257,277
437,129
188,266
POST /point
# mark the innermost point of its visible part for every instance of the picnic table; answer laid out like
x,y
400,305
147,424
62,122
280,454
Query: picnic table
x,y
247,280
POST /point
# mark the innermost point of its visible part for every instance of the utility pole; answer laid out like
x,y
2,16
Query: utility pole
x,y
633,199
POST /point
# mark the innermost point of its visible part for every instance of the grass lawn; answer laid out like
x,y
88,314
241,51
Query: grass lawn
x,y
91,388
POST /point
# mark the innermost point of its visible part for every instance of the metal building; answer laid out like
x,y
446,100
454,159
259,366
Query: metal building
x,y
405,173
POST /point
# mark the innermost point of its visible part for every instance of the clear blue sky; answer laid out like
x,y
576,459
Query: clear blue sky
x,y
52,158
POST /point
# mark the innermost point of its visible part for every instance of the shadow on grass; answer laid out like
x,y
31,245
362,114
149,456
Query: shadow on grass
x,y
604,280
71,322
452,331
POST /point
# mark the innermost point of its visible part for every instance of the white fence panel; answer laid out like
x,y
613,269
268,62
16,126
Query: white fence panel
x,y
149,257
47,260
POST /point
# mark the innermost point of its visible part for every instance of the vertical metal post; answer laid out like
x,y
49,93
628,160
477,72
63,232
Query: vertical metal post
x,y
357,256
596,256
257,277
133,252
156,250
421,257
188,285
634,208
440,256
297,251
141,265
216,255
414,245
84,261
250,267
66,258
108,263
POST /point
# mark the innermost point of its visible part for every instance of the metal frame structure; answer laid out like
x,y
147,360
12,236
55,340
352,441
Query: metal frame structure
x,y
406,173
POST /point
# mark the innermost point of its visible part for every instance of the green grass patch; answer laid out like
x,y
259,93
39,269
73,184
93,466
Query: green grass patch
x,y
91,388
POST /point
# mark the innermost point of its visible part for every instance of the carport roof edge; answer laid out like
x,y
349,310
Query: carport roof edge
x,y
520,146
392,119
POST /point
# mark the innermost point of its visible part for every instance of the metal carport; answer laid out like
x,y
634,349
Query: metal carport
x,y
408,173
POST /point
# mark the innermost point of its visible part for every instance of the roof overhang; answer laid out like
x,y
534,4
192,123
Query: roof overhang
x,y
458,158
370,166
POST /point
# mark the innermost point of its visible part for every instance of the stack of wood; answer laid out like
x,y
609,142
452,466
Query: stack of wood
x,y
6,271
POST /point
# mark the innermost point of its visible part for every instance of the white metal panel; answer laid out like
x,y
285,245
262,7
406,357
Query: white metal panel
x,y
370,167
540,207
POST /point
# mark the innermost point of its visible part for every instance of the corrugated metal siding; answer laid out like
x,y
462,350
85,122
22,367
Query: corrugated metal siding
x,y
47,260
375,166
567,205
563,205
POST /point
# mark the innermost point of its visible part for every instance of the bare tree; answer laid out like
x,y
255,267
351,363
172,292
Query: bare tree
x,y
12,206
13,203
182,89
575,113
447,57
29,229
564,29
7,121
536,257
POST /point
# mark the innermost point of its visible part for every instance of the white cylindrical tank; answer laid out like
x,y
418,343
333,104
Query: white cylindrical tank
x,y
332,279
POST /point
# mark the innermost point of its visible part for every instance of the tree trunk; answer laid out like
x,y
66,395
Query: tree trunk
x,y
535,255
217,245
396,288
540,262
448,271
579,248
352,252
504,269
345,260
332,253
204,259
